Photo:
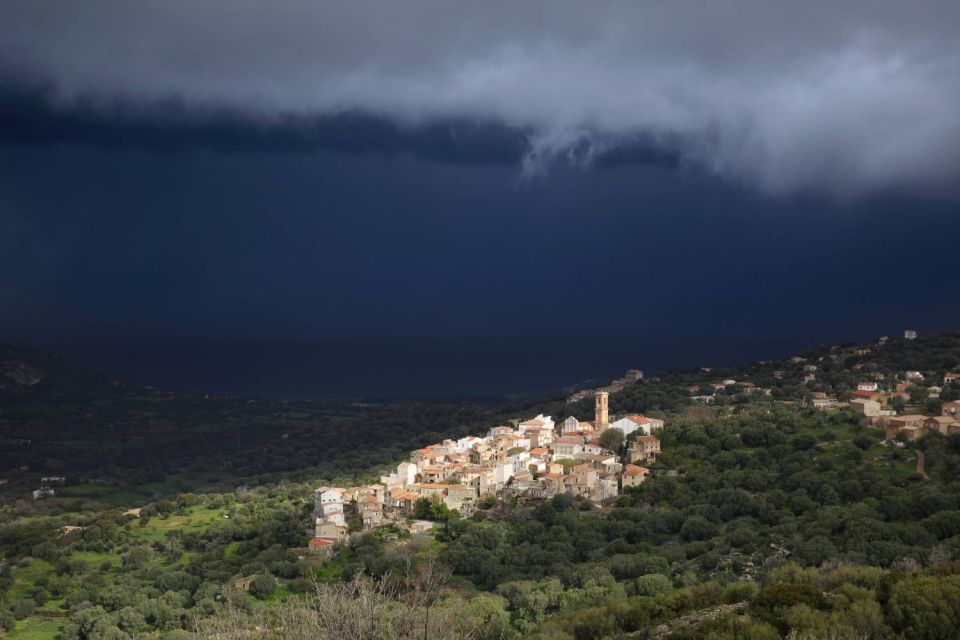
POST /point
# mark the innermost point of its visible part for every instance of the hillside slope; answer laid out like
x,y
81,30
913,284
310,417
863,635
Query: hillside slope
x,y
29,374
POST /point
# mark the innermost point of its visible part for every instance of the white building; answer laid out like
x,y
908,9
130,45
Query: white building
x,y
405,474
571,425
465,444
329,504
631,423
540,421
502,472
567,447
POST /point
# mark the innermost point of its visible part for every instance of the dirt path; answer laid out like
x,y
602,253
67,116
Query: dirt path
x,y
920,461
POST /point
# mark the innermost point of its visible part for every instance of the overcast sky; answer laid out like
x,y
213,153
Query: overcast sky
x,y
844,97
696,180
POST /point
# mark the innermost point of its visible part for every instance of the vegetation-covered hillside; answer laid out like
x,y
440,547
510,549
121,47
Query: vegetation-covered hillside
x,y
764,518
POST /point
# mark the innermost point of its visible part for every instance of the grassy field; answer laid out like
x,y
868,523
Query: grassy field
x,y
45,624
36,629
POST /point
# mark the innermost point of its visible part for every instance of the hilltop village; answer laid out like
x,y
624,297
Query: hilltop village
x,y
532,459
698,486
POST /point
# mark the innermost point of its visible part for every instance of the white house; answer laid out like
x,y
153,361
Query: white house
x,y
502,472
540,421
634,422
333,512
567,447
407,472
329,504
465,444
866,386
592,449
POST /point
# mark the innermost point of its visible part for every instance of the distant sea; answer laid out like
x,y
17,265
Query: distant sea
x,y
424,367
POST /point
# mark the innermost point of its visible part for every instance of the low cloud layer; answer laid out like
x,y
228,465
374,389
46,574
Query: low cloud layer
x,y
33,114
842,98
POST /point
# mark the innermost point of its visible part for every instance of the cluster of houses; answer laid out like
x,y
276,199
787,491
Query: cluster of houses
x,y
538,458
706,393
877,406
911,426
532,460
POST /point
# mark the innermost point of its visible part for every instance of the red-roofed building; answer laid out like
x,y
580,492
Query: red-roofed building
x,y
870,395
634,475
322,545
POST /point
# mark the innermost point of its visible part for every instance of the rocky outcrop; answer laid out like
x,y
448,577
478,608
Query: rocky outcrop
x,y
689,621
19,374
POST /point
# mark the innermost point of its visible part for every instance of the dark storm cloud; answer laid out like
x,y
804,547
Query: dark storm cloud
x,y
847,98
31,113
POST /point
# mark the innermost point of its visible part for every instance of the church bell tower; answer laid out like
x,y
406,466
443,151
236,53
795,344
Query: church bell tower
x,y
602,417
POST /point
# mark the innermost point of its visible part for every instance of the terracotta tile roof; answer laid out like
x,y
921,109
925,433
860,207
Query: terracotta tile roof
x,y
320,543
634,470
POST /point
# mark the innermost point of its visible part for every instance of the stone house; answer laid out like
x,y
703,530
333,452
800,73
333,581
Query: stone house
x,y
634,475
644,448
944,424
951,409
911,426
329,530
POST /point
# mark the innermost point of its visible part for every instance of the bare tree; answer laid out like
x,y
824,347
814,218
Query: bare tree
x,y
415,606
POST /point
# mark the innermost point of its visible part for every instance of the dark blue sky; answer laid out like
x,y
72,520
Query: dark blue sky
x,y
340,199
342,274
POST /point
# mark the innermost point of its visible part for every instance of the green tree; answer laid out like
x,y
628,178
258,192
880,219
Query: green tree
x,y
611,439
653,584
926,608
697,528
262,586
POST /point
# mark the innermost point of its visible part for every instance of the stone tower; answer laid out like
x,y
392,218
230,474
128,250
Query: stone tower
x,y
602,417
